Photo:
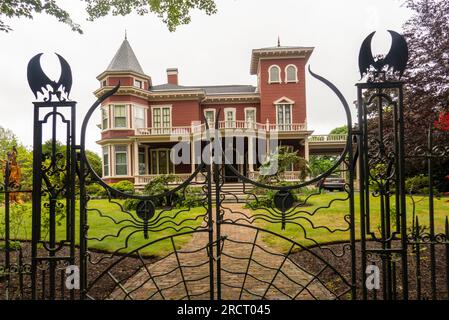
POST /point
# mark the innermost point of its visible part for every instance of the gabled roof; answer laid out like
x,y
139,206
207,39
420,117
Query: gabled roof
x,y
125,60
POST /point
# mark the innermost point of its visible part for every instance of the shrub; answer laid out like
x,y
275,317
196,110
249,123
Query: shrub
x,y
191,197
130,204
96,191
265,198
417,184
123,186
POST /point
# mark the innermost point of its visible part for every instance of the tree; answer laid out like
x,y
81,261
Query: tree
x,y
340,130
426,88
281,161
426,95
320,164
172,12
8,140
95,162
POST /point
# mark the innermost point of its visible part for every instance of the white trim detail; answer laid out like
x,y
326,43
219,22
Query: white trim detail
x,y
126,105
270,81
230,123
283,100
296,74
161,106
254,121
213,110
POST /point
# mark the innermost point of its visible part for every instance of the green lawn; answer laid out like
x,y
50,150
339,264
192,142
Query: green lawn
x,y
110,227
333,218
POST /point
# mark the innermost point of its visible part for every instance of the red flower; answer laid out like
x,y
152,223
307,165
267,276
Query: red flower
x,y
443,122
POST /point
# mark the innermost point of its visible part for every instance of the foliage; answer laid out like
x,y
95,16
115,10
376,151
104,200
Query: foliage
x,y
95,162
320,164
96,191
340,130
418,185
172,12
27,9
8,140
280,161
123,186
265,197
190,198
18,215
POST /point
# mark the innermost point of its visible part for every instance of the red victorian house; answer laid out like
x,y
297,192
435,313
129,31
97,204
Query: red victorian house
x,y
139,122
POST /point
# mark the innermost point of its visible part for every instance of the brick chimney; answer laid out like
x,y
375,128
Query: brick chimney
x,y
172,76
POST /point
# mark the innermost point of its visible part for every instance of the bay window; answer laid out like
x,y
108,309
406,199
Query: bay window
x,y
120,116
139,117
105,118
121,160
106,162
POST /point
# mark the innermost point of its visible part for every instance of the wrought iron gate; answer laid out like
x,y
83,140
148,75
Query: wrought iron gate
x,y
276,242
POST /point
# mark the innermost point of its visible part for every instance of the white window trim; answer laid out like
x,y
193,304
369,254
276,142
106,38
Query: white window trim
x,y
210,109
108,112
161,107
284,100
291,113
145,114
108,147
255,116
255,113
234,117
269,74
141,80
127,160
296,74
112,113
144,151
157,159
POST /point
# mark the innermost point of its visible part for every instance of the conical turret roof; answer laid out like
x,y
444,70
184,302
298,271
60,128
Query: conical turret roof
x,y
125,60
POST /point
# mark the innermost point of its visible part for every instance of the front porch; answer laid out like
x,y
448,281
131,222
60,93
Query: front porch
x,y
154,159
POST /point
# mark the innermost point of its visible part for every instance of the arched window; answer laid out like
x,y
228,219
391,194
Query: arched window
x,y
274,74
291,73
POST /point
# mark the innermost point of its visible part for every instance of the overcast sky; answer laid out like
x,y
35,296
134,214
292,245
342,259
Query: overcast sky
x,y
210,50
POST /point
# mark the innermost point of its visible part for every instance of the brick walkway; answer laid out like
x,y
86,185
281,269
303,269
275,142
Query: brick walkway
x,y
164,279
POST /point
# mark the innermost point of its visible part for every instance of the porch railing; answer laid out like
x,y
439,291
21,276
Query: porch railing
x,y
145,179
222,125
328,138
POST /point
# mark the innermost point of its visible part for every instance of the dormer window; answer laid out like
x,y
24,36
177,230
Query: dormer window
x,y
291,73
274,74
138,83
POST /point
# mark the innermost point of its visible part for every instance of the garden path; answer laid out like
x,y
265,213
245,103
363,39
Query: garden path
x,y
269,274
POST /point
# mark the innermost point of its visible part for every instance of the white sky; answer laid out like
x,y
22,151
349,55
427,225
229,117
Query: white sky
x,y
210,50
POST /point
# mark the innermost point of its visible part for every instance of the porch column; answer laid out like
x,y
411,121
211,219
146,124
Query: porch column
x,y
192,154
306,149
147,160
251,151
136,158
